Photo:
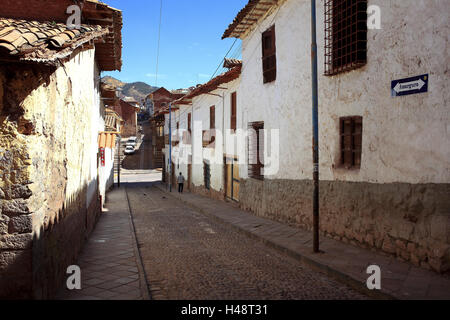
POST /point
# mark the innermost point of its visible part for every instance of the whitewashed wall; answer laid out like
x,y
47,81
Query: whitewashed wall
x,y
405,139
201,106
106,173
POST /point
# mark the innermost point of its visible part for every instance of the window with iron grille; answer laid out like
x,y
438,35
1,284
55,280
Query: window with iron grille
x,y
345,35
207,174
256,150
233,111
269,55
351,142
212,124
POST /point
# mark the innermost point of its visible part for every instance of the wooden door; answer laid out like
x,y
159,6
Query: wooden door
x,y
189,176
232,179
174,181
229,180
236,181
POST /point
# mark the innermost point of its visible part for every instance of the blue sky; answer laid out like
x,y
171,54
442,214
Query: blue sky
x,y
191,46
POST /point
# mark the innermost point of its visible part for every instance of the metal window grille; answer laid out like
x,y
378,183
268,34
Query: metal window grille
x,y
255,150
351,142
345,35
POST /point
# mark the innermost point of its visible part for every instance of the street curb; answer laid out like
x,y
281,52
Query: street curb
x,y
144,286
307,261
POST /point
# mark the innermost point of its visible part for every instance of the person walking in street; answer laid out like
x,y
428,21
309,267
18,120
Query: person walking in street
x,y
180,183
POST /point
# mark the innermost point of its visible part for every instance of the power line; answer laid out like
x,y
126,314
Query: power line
x,y
159,42
221,61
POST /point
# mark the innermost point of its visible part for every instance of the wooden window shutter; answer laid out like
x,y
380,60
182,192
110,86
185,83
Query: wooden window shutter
x,y
357,141
233,111
269,55
256,151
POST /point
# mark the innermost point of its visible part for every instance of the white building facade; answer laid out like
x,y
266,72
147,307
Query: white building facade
x,y
384,159
204,141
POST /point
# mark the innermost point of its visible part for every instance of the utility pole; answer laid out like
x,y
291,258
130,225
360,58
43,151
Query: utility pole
x,y
170,147
315,116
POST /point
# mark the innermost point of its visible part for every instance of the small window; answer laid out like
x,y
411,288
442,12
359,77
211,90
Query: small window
x,y
345,35
269,57
212,124
256,150
351,142
212,117
233,111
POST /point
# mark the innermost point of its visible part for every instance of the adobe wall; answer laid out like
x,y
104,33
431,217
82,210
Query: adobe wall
x,y
48,181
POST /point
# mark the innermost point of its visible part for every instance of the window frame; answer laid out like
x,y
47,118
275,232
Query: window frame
x,y
268,54
345,35
354,148
233,111
254,170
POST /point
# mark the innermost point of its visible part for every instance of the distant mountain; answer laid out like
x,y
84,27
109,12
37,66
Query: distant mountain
x,y
136,90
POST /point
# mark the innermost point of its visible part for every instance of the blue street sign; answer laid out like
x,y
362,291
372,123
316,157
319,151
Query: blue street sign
x,y
404,87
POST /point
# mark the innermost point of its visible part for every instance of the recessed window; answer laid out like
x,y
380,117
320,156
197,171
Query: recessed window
x,y
212,125
269,55
256,150
351,142
345,35
233,111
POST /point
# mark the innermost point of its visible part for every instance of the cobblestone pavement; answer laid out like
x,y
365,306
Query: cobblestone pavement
x,y
109,260
187,255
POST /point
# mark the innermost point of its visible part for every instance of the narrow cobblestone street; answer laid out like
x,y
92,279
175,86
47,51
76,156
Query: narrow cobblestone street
x,y
187,255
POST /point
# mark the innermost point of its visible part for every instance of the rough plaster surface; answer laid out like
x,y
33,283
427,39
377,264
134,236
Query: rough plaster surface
x,y
50,120
405,139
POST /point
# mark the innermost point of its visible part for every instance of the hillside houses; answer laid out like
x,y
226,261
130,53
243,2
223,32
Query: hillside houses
x,y
55,147
384,168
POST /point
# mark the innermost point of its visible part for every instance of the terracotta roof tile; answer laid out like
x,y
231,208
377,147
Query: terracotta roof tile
x,y
43,41
213,84
248,17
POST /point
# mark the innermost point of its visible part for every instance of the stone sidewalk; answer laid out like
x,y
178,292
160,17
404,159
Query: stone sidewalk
x,y
341,261
110,265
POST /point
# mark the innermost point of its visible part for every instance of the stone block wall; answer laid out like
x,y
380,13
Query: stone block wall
x,y
410,221
48,162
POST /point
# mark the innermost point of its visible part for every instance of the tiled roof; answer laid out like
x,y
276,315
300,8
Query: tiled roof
x,y
231,63
107,140
213,84
248,17
44,42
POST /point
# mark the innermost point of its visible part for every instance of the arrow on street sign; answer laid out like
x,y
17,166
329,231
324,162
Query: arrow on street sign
x,y
409,86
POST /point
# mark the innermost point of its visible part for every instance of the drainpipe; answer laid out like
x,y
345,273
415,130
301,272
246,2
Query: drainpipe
x,y
170,147
315,113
